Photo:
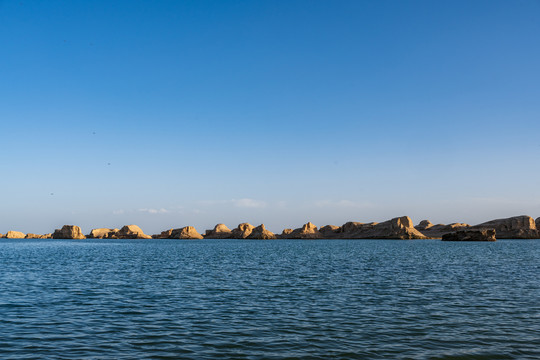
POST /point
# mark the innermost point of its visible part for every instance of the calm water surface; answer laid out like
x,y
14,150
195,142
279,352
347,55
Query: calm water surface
x,y
206,299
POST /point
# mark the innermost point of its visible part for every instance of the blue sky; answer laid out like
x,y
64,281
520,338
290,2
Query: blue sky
x,y
174,113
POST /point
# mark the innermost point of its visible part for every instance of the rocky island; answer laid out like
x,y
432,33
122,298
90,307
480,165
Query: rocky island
x,y
517,227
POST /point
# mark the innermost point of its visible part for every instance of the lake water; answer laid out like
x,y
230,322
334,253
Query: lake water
x,y
295,299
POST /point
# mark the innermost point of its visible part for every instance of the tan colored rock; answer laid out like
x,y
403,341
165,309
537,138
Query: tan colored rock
x,y
46,236
242,231
330,231
517,227
220,231
14,235
261,233
129,232
437,231
33,236
68,232
187,232
163,235
471,235
397,228
307,231
100,233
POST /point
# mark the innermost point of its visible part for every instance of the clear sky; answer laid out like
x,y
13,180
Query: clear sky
x,y
174,113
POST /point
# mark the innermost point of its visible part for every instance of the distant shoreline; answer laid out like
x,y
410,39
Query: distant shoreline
x,y
400,228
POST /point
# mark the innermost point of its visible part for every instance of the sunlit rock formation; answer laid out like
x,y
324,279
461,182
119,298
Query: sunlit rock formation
x,y
220,231
14,235
37,236
517,227
242,231
470,235
129,232
68,232
186,232
261,233
101,233
397,228
308,231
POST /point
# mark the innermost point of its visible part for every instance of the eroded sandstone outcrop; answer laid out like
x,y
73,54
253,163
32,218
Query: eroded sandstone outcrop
x,y
101,233
186,232
308,231
242,231
14,235
517,227
437,231
220,231
261,233
68,232
129,232
397,228
470,235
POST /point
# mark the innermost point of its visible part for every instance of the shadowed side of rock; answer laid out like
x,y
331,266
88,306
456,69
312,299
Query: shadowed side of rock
x,y
471,235
437,231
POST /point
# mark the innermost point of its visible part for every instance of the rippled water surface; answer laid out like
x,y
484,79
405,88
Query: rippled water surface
x,y
357,299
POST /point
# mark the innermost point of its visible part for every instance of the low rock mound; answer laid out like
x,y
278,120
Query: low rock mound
x,y
220,231
14,235
471,235
68,232
437,231
261,233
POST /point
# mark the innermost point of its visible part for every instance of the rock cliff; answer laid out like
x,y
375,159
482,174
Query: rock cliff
x,y
68,232
470,235
517,227
329,231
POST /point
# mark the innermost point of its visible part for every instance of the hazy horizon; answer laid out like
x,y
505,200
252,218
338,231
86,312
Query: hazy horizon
x,y
168,114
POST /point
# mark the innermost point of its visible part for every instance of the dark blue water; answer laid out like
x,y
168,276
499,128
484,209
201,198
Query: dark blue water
x,y
205,299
